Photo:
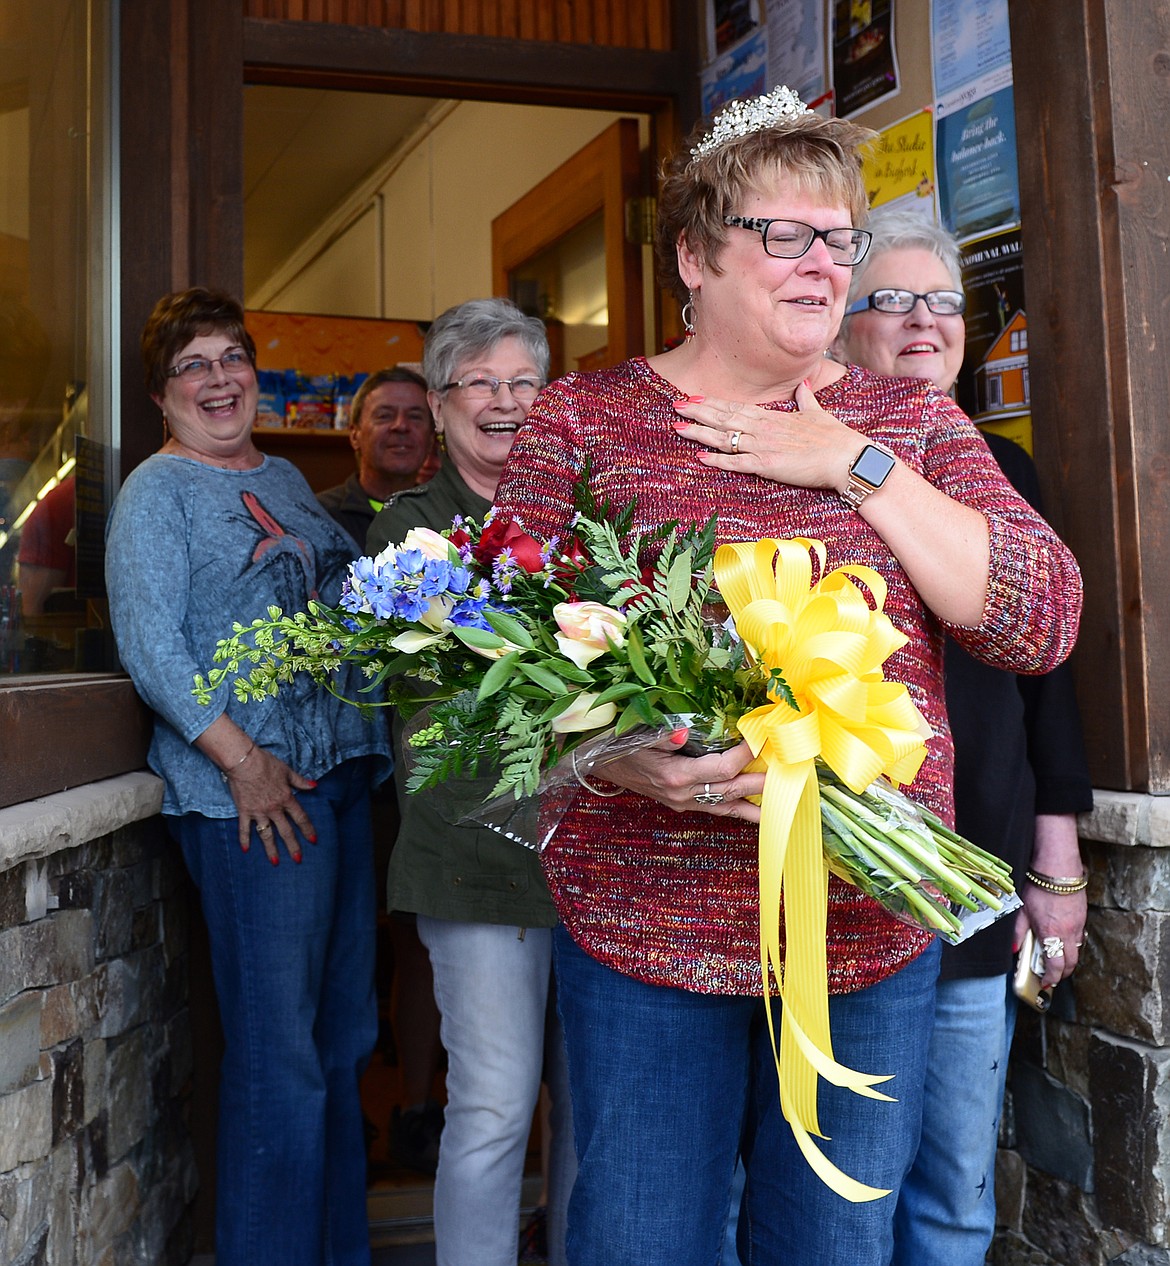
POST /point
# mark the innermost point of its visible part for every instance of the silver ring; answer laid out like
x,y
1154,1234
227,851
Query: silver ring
x,y
266,827
707,796
1053,947
735,437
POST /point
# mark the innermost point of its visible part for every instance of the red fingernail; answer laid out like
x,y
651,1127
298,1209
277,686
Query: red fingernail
x,y
275,861
297,858
1015,947
312,783
311,838
679,737
680,424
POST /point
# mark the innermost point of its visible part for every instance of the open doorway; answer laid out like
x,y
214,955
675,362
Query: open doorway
x,y
368,213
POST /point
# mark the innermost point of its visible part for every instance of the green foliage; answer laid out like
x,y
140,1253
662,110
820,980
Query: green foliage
x,y
499,696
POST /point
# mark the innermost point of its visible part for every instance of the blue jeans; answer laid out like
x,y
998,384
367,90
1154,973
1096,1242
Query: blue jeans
x,y
500,1030
946,1209
292,952
666,1086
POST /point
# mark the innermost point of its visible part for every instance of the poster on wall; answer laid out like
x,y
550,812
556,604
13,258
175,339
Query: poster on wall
x,y
796,47
740,72
899,165
978,181
993,383
969,40
865,62
728,21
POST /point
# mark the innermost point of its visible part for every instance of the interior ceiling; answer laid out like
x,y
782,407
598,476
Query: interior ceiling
x,y
305,149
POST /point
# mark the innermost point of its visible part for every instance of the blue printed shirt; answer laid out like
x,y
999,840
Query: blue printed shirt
x,y
190,549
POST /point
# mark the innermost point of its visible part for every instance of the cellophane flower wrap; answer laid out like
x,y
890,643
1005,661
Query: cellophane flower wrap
x,y
524,665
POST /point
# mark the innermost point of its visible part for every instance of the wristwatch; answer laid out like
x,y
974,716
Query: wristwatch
x,y
869,471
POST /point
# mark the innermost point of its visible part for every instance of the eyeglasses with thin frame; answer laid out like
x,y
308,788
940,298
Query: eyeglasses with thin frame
x,y
901,302
482,387
790,239
196,368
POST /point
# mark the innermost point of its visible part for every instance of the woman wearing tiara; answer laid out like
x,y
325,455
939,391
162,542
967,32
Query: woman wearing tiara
x,y
655,874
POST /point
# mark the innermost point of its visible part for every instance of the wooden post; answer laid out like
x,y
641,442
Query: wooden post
x,y
1092,91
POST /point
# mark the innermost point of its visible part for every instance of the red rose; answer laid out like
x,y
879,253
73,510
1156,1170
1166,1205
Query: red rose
x,y
459,537
571,561
500,535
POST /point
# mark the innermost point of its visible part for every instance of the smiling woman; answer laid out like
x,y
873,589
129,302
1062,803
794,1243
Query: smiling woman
x,y
657,880
479,411
205,530
484,912
911,333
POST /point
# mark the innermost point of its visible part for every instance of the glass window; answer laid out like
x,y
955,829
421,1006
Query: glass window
x,y
56,274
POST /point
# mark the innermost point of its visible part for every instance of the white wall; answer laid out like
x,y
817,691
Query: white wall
x,y
438,205
343,279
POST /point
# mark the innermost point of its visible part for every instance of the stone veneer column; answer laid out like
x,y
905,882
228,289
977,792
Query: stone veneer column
x,y
1083,1175
95,1053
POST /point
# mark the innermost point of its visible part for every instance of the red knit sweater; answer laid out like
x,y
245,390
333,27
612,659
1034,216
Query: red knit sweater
x,y
673,898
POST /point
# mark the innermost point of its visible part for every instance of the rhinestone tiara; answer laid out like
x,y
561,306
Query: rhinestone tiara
x,y
741,118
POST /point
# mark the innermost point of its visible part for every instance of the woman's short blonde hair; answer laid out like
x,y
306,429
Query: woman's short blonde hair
x,y
822,156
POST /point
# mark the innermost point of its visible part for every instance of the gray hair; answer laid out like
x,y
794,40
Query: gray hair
x,y
897,228
475,327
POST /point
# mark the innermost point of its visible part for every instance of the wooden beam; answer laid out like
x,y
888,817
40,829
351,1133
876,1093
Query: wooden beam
x,y
475,67
1094,158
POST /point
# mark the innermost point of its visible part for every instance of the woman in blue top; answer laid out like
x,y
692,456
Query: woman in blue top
x,y
207,531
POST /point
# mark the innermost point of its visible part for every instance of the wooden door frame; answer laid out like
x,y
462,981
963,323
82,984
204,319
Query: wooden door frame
x,y
595,179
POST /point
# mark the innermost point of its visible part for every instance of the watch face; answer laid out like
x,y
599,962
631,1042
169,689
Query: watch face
x,y
873,466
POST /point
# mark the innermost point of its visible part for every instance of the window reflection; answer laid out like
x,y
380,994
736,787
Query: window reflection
x,y
53,446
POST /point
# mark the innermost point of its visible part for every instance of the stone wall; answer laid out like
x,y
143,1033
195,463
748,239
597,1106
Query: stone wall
x,y
1084,1164
95,1053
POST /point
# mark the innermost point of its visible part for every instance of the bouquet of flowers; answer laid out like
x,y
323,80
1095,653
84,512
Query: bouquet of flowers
x,y
526,653
520,654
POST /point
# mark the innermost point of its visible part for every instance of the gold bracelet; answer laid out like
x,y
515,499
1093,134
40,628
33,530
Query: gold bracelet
x,y
589,786
1061,885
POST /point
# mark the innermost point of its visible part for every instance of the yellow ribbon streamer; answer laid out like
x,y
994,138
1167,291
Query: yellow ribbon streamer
x,y
830,643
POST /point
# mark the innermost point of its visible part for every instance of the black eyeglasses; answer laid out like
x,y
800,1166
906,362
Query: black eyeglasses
x,y
482,387
901,302
790,239
195,368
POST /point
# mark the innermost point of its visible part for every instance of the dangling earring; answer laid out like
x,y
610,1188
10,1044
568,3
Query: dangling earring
x,y
441,440
688,315
166,428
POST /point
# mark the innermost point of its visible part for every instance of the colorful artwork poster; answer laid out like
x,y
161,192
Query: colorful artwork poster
x,y
969,40
978,182
993,383
796,47
899,165
865,63
740,72
728,21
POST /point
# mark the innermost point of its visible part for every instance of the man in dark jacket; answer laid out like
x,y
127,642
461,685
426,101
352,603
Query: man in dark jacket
x,y
392,434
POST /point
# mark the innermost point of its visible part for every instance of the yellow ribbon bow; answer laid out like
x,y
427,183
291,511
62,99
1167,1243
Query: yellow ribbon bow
x,y
830,643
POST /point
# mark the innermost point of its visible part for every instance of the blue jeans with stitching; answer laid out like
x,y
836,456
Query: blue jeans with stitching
x,y
292,949
667,1085
946,1209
